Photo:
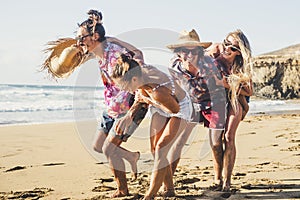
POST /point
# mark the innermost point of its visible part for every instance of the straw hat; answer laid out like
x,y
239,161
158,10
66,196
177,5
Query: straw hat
x,y
64,57
190,39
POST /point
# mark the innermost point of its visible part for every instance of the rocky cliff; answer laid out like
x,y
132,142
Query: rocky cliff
x,y
276,75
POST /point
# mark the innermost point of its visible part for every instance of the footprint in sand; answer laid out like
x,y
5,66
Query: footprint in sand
x,y
250,133
264,163
101,163
240,174
106,180
9,155
103,188
52,164
188,180
37,193
15,168
294,141
218,194
292,148
281,135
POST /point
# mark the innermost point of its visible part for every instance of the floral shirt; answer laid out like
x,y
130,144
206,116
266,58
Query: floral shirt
x,y
203,90
116,100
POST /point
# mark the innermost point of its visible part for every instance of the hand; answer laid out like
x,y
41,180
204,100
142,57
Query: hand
x,y
190,67
246,89
123,124
141,98
112,113
215,50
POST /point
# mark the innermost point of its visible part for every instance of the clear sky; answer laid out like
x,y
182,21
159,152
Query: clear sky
x,y
26,26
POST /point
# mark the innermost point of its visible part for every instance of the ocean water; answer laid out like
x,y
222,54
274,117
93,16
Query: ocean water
x,y
30,104
33,104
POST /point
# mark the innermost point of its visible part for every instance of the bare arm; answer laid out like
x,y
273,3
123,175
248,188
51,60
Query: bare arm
x,y
247,89
214,50
135,114
160,98
138,55
165,100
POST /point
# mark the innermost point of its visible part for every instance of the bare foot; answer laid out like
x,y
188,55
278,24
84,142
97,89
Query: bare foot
x,y
226,188
134,166
167,193
148,198
215,187
119,193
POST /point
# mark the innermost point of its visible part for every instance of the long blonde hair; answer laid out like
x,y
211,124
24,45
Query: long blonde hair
x,y
241,68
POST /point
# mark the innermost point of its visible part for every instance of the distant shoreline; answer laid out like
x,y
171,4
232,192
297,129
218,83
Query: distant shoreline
x,y
72,103
273,113
249,115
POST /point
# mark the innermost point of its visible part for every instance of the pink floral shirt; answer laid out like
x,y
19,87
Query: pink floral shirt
x,y
116,100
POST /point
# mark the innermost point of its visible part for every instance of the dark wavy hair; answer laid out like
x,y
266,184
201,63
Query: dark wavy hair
x,y
126,68
94,24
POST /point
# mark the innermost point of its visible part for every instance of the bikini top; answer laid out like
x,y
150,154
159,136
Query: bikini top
x,y
171,81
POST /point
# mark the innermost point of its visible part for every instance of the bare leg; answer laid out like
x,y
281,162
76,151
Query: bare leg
x,y
131,157
120,178
168,186
113,153
161,163
245,106
98,141
157,126
233,121
175,154
216,143
178,145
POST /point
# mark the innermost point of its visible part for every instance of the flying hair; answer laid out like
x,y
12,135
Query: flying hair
x,y
126,67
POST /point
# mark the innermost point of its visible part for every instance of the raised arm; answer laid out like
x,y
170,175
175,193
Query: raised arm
x,y
138,54
214,50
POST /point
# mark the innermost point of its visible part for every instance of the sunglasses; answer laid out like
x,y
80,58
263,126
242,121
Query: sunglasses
x,y
194,51
81,38
228,44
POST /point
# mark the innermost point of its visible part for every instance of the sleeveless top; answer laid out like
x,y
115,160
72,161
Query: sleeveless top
x,y
185,104
171,82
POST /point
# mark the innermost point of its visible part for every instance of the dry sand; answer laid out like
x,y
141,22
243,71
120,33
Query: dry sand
x,y
55,161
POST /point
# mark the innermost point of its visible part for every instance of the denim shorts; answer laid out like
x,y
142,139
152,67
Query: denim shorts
x,y
106,123
107,126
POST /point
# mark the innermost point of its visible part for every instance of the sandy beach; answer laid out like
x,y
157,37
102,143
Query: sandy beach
x,y
53,161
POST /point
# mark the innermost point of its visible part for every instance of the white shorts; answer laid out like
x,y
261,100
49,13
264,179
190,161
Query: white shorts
x,y
185,112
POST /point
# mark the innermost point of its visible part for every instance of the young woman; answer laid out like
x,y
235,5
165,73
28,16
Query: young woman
x,y
170,107
91,38
204,82
233,57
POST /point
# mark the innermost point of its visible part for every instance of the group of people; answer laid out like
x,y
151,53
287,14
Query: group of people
x,y
208,83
